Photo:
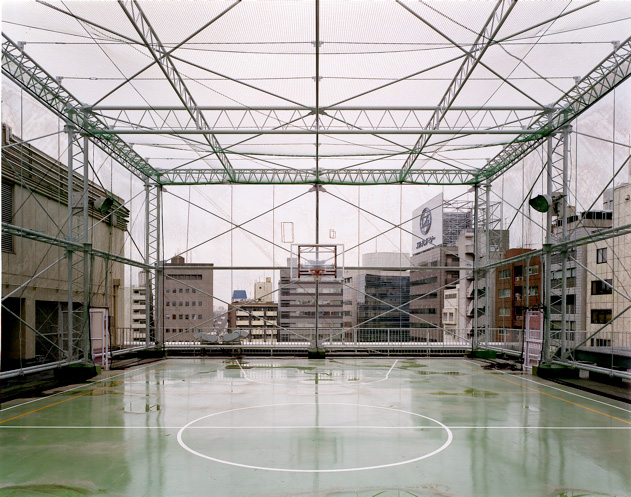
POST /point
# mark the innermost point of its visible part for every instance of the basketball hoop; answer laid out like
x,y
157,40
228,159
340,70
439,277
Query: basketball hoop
x,y
316,273
317,262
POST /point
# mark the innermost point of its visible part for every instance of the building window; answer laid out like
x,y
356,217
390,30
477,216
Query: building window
x,y
504,311
186,304
504,274
186,290
601,316
193,303
600,288
193,316
168,290
193,290
503,293
601,255
168,316
533,291
181,303
429,310
185,316
181,316
199,316
168,303
533,269
199,303
180,290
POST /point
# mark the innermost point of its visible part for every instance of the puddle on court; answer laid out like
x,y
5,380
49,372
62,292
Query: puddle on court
x,y
471,392
410,365
449,373
51,489
140,407
578,493
430,490
246,365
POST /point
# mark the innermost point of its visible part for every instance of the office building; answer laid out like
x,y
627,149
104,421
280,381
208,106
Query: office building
x,y
436,227
376,301
518,288
188,299
297,305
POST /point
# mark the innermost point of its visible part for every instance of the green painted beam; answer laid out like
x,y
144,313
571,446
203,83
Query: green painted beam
x,y
308,176
610,73
27,74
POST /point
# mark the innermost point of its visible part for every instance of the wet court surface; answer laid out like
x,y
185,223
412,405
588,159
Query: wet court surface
x,y
333,427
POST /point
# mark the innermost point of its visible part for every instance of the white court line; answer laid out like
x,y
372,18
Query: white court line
x,y
92,427
333,470
575,394
78,387
245,375
383,379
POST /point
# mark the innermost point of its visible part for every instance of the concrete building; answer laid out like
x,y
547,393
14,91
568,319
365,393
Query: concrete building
x,y
436,227
609,260
518,288
263,290
578,281
450,319
188,299
426,291
371,296
258,316
34,197
484,308
297,305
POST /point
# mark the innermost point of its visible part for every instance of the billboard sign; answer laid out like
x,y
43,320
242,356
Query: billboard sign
x,y
427,225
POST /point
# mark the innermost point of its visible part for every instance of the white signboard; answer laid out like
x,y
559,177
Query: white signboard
x,y
427,225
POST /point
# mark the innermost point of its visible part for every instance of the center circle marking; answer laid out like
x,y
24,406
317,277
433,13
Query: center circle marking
x,y
292,470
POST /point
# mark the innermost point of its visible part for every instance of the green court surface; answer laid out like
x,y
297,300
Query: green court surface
x,y
332,427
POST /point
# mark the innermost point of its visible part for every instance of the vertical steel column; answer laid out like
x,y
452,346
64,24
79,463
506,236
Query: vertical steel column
x,y
487,254
87,250
545,358
476,206
317,278
69,129
317,158
147,262
159,269
566,144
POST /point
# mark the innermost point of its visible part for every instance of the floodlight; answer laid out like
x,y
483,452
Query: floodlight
x,y
541,203
103,204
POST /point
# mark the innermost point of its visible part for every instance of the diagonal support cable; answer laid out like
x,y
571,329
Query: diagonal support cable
x,y
483,41
161,55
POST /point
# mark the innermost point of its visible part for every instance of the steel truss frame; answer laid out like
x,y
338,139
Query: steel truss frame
x,y
606,76
534,126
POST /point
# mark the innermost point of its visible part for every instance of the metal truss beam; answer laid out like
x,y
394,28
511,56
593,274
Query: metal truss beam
x,y
161,55
26,73
309,176
610,73
312,131
38,236
482,42
476,108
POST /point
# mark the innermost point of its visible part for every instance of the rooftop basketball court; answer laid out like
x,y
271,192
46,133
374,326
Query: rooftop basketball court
x,y
334,427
